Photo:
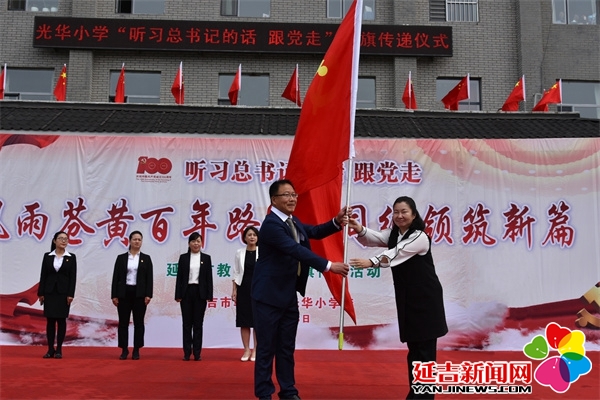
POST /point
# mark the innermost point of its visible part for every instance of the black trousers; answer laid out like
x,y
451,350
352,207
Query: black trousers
x,y
192,316
276,329
56,328
131,305
420,351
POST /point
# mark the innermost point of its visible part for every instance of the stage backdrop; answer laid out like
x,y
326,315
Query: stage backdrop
x,y
515,227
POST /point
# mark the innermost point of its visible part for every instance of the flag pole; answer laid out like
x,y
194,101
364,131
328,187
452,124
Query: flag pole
x,y
346,237
353,95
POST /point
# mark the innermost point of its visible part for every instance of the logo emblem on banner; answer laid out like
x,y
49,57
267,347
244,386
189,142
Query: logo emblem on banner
x,y
150,169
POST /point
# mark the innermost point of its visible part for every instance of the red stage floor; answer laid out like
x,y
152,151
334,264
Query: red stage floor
x,y
96,372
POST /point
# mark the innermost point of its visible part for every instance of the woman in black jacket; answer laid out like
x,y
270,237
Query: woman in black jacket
x,y
131,292
57,290
193,290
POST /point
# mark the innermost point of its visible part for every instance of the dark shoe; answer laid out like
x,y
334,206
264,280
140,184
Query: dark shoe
x,y
48,355
124,355
136,354
186,358
58,355
294,397
197,358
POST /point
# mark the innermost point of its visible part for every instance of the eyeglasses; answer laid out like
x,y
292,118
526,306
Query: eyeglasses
x,y
287,195
63,238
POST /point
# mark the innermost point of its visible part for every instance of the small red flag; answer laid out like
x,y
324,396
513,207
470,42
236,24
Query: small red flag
x,y
458,93
325,133
408,97
551,96
120,90
2,82
517,95
177,88
292,90
60,90
236,86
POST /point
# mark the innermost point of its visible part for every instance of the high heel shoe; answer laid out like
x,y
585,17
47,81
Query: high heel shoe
x,y
245,357
253,356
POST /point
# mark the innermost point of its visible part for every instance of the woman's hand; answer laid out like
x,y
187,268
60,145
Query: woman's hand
x,y
234,294
354,225
360,263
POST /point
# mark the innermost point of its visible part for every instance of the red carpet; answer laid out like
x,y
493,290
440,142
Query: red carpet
x,y
95,372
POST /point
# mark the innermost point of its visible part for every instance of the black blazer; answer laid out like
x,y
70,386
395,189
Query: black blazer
x,y
205,277
275,280
63,279
144,281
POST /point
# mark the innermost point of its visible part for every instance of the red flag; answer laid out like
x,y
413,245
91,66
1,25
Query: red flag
x,y
2,82
552,95
517,95
408,97
120,90
292,90
177,88
60,90
458,93
236,86
325,139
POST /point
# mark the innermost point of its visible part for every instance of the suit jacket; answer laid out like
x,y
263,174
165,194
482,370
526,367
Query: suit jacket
x,y
63,279
275,280
205,280
144,280
238,265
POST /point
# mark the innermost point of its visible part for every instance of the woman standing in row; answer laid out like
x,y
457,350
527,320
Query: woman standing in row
x,y
57,290
131,292
243,268
193,290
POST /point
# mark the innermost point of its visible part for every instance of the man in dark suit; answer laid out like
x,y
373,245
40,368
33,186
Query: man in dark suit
x,y
281,270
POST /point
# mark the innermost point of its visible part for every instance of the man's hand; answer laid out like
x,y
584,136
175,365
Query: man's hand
x,y
339,268
343,216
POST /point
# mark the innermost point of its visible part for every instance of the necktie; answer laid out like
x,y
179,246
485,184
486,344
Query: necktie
x,y
295,234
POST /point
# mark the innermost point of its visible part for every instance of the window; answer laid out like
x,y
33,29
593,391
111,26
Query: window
x,y
582,97
365,96
254,91
444,85
246,8
575,12
339,8
140,87
29,84
33,5
454,10
155,7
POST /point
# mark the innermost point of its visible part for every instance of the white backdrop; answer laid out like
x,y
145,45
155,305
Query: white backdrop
x,y
515,223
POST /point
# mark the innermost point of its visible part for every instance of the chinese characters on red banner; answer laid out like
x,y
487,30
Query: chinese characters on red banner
x,y
98,33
